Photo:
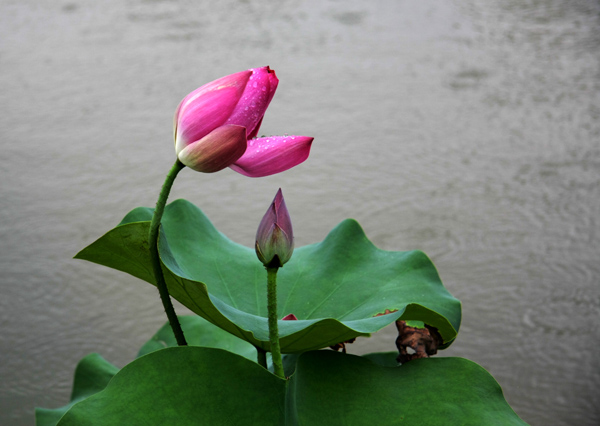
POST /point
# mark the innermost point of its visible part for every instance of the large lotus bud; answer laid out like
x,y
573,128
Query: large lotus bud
x,y
275,237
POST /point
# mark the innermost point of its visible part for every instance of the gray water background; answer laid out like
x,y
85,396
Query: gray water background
x,y
467,129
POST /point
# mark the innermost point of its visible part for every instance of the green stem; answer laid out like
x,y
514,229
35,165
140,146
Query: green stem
x,y
154,257
273,331
261,356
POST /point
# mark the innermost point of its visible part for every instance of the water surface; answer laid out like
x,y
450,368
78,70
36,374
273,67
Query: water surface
x,y
466,129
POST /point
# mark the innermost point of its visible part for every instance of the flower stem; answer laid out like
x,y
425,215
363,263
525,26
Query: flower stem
x,y
273,331
154,257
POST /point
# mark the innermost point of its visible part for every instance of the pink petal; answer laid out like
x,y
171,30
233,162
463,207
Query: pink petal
x,y
275,154
255,131
207,108
239,80
253,104
282,216
217,150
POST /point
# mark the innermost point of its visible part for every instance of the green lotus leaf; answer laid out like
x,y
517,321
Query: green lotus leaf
x,y
331,388
194,385
338,289
385,359
185,386
199,332
92,374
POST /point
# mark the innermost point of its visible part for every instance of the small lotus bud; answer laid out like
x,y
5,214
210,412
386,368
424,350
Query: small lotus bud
x,y
275,238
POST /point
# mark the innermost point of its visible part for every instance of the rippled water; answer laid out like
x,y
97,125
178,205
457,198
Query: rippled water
x,y
467,129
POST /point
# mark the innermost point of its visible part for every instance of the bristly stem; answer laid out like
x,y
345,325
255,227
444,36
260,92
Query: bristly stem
x,y
154,257
273,331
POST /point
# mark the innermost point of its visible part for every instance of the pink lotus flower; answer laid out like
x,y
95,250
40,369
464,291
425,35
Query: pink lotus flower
x,y
207,121
275,237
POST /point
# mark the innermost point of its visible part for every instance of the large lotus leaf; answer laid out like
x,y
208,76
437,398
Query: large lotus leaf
x,y
337,288
193,385
91,376
93,372
199,332
385,359
331,388
185,386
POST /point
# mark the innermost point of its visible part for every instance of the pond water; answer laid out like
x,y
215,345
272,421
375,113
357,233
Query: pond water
x,y
466,129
